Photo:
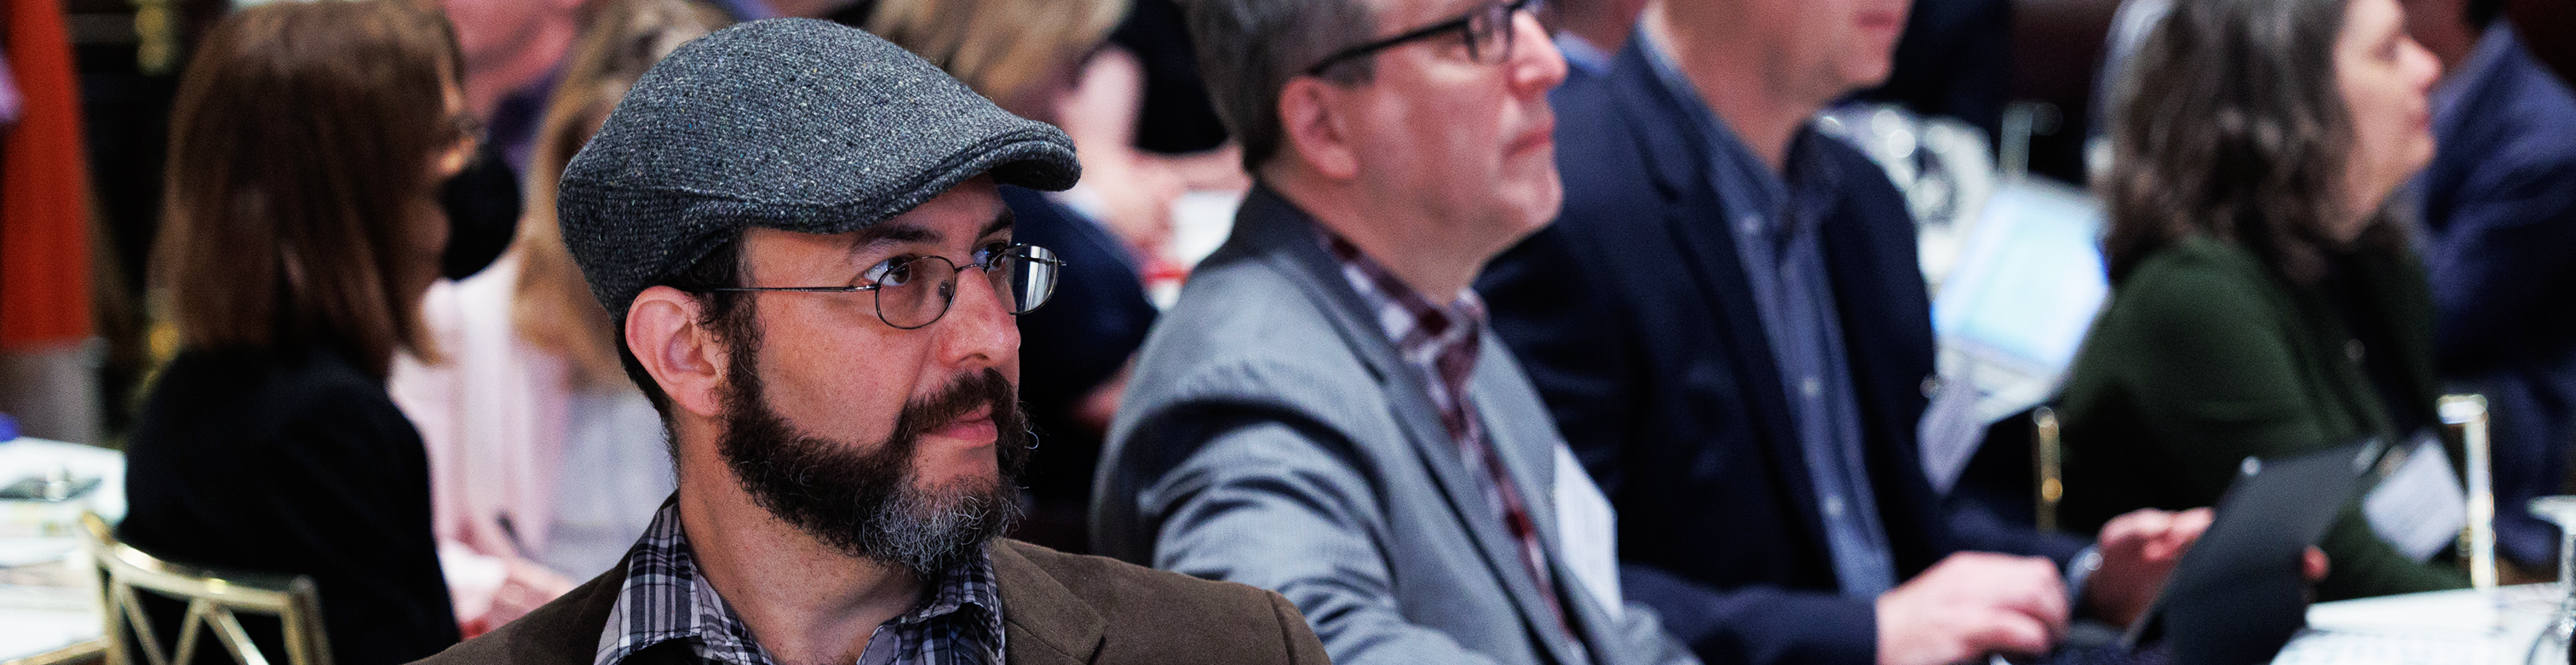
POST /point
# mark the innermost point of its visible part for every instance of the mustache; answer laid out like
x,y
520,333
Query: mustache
x,y
963,395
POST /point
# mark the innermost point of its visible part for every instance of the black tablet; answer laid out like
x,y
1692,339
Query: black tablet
x,y
2238,596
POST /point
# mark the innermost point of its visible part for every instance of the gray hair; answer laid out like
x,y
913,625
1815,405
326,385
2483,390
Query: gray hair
x,y
1249,49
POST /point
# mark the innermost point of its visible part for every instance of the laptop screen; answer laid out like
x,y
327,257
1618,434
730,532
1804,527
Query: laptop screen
x,y
2028,281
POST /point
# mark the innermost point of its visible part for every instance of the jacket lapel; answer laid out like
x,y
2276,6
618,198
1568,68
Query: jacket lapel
x,y
1527,444
1042,622
1293,247
566,631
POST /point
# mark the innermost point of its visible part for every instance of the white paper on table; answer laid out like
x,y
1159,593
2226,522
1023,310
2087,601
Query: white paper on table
x,y
1587,531
2420,507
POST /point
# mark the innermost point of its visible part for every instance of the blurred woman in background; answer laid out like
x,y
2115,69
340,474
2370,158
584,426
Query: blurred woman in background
x,y
2264,300
1044,60
531,423
308,143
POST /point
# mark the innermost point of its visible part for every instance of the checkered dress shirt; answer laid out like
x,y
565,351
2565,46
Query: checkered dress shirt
x,y
1443,343
665,599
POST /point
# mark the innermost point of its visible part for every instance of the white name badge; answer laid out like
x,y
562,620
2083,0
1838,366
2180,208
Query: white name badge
x,y
2420,506
1588,530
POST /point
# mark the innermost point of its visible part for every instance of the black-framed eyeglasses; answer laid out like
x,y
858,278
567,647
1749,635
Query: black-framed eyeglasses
x,y
1487,29
915,292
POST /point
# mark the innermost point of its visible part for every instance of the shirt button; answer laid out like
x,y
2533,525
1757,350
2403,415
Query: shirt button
x,y
1834,507
2352,349
1749,225
1811,387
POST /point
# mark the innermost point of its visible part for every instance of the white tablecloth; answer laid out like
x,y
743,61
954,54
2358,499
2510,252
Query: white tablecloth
x,y
48,600
2464,627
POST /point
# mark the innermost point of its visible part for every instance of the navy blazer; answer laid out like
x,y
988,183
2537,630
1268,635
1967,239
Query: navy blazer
x,y
1632,316
2500,210
1079,340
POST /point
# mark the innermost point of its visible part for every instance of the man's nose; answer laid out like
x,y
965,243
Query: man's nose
x,y
979,330
1537,66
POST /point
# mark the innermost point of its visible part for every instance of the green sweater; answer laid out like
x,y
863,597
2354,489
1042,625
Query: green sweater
x,y
2206,356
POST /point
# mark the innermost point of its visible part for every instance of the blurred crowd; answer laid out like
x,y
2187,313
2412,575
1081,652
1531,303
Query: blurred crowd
x,y
1506,331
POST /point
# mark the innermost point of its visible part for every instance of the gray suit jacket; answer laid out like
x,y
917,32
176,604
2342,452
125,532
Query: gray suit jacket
x,y
1271,435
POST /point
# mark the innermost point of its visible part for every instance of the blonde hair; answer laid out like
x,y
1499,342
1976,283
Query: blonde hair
x,y
553,308
997,47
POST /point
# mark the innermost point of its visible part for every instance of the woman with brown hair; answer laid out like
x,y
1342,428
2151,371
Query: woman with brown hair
x,y
307,147
2264,301
530,420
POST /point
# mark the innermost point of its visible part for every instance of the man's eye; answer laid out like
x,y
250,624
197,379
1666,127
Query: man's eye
x,y
985,254
893,272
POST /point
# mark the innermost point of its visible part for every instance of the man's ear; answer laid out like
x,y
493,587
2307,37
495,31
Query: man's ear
x,y
1315,128
685,358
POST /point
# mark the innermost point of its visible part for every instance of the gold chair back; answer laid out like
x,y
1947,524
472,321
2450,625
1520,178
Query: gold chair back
x,y
214,599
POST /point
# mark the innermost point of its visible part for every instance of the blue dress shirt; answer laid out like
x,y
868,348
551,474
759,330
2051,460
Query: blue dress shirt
x,y
1777,222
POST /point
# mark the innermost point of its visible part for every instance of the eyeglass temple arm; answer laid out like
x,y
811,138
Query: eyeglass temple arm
x,y
1383,44
800,289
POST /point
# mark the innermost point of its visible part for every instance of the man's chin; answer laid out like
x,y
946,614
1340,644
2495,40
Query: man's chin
x,y
1869,71
963,487
949,524
943,462
1532,203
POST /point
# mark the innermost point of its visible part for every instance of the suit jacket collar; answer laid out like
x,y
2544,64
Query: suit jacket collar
x,y
1043,623
1659,123
564,631
1271,229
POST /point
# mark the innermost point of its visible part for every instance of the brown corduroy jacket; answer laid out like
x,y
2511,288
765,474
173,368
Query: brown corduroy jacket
x,y
1057,608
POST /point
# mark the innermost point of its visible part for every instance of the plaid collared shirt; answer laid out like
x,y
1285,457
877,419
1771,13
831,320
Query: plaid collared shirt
x,y
665,599
1443,343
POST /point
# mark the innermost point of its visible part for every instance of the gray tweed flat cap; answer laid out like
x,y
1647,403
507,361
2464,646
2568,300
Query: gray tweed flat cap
x,y
792,124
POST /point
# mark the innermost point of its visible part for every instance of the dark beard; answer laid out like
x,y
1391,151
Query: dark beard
x,y
867,501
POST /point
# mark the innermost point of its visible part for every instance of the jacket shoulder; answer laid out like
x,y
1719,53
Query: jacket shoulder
x,y
1146,615
564,631
1246,308
2197,277
1603,131
2525,103
1248,335
2199,305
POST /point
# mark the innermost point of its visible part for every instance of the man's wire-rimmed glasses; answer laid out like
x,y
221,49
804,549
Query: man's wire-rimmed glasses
x,y
917,292
1487,29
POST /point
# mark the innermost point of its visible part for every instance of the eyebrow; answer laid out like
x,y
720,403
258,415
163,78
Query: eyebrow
x,y
906,232
1001,222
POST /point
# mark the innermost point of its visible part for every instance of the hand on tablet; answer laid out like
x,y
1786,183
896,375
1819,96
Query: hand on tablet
x,y
2139,550
1970,605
